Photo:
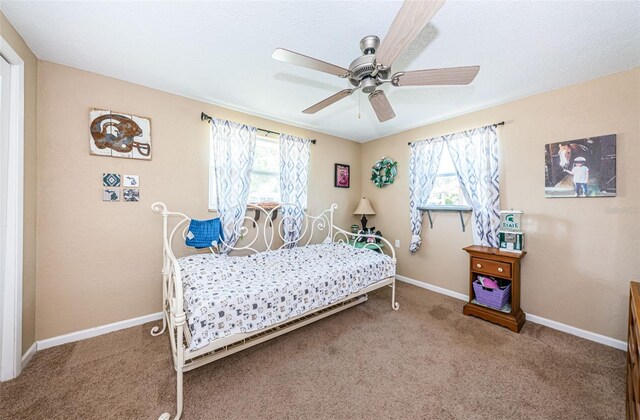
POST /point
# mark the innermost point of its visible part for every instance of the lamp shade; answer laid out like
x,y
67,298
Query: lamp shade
x,y
364,207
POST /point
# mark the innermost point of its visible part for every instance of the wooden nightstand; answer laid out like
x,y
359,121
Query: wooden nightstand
x,y
496,263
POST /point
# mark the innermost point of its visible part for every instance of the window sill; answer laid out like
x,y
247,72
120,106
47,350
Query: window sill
x,y
464,209
456,209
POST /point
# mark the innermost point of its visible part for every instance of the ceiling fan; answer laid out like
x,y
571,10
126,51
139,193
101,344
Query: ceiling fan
x,y
373,68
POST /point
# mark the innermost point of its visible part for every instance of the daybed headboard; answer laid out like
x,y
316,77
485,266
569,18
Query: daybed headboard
x,y
260,229
263,229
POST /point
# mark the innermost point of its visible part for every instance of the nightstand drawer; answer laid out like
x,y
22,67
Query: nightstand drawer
x,y
494,268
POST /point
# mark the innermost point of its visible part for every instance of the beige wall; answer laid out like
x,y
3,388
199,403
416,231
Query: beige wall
x,y
100,262
581,252
30,176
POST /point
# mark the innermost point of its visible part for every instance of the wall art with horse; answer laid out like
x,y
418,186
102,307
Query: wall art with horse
x,y
581,168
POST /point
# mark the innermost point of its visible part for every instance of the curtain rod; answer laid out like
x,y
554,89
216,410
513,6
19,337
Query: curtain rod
x,y
496,124
205,117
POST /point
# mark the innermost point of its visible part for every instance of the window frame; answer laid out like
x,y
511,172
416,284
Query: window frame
x,y
266,139
212,187
463,202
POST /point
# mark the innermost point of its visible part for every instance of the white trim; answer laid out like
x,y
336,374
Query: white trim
x,y
433,288
96,331
11,351
588,335
105,329
26,357
116,326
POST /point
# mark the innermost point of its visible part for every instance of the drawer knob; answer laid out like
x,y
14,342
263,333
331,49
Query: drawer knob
x,y
478,265
500,270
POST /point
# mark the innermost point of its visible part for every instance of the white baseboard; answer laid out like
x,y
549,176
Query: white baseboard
x,y
588,335
433,288
93,332
26,357
598,338
104,329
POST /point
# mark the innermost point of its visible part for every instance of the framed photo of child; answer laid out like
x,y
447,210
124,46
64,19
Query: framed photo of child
x,y
342,175
581,168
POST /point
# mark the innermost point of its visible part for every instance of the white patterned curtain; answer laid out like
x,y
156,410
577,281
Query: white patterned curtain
x,y
475,156
294,177
233,150
423,168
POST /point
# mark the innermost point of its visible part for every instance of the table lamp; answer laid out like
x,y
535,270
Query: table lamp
x,y
364,208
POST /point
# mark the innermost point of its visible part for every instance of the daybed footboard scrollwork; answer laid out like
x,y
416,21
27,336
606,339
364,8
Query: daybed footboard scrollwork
x,y
342,236
293,227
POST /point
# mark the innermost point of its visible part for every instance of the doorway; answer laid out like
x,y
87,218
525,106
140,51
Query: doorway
x,y
5,97
11,209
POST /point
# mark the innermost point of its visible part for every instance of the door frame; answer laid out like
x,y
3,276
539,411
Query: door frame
x,y
11,351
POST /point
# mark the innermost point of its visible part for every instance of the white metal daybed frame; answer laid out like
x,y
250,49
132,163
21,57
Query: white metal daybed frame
x,y
172,294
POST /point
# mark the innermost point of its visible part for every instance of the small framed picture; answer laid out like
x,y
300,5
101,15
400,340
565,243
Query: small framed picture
x,y
131,194
110,180
342,175
111,194
129,181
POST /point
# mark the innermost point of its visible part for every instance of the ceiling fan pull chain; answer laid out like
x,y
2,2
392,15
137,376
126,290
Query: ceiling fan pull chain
x,y
359,106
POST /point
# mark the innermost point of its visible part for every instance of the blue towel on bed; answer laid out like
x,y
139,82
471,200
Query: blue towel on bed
x,y
204,233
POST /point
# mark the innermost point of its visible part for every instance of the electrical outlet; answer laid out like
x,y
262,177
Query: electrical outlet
x,y
397,243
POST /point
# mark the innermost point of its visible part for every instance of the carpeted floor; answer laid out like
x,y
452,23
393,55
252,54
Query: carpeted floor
x,y
425,361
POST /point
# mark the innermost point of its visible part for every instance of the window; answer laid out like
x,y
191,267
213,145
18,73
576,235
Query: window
x,y
446,190
265,174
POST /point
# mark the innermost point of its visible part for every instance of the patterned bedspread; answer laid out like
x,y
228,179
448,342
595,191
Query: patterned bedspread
x,y
226,295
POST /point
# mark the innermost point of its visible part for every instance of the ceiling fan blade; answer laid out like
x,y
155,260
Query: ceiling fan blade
x,y
328,101
448,76
410,20
381,106
302,60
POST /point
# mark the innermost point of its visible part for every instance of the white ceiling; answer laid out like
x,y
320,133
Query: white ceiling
x,y
220,52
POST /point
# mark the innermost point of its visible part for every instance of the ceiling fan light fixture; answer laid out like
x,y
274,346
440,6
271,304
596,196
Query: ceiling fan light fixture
x,y
369,85
381,106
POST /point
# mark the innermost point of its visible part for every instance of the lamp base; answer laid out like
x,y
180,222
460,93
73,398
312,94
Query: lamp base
x,y
364,222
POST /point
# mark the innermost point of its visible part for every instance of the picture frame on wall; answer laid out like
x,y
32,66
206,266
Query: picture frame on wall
x,y
111,180
581,168
131,194
111,194
117,134
342,175
130,181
